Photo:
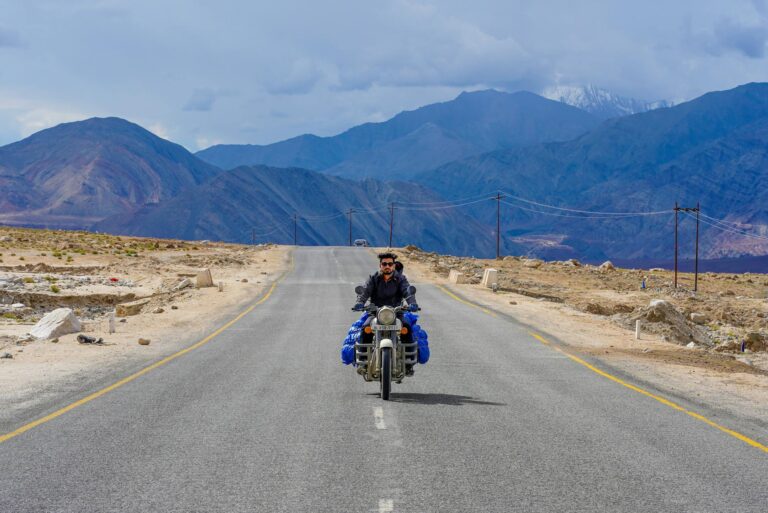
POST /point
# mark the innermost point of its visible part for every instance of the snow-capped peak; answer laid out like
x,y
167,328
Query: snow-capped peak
x,y
600,102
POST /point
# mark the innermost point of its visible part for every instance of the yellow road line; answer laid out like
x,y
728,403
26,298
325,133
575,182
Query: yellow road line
x,y
457,298
95,395
666,402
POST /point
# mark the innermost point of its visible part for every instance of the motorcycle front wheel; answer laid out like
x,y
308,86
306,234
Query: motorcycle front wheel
x,y
386,372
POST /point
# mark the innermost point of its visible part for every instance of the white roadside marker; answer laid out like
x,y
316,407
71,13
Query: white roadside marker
x,y
386,505
378,417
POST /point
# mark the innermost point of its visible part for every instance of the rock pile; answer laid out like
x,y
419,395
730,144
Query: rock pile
x,y
662,318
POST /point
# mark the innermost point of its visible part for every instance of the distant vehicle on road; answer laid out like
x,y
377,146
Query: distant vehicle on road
x,y
361,243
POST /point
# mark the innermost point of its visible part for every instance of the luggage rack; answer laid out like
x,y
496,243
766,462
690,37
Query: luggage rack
x,y
364,356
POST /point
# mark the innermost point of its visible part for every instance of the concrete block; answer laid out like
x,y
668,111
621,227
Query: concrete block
x,y
204,279
56,323
490,276
455,276
132,308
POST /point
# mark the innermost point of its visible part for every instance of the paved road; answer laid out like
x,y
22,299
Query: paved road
x,y
265,418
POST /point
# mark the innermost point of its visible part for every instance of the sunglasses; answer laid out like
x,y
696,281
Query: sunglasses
x,y
387,264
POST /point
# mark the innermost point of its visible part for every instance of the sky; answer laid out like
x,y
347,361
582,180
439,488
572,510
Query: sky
x,y
207,72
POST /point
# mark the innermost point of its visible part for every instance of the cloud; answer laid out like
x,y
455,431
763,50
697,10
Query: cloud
x,y
300,77
747,36
159,130
34,120
202,100
434,49
749,40
9,38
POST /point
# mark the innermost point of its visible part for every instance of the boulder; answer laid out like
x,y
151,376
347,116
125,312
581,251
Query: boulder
x,y
183,284
132,308
607,266
204,279
572,262
755,341
699,318
56,323
144,341
534,263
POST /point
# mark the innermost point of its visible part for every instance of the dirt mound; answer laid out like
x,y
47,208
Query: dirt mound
x,y
662,318
603,309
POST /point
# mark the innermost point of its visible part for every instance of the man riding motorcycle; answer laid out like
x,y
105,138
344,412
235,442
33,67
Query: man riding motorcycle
x,y
387,288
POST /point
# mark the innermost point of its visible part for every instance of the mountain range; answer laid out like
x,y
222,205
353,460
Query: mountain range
x,y
419,140
551,160
262,200
712,150
601,103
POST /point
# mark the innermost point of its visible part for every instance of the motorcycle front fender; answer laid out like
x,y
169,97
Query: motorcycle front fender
x,y
386,343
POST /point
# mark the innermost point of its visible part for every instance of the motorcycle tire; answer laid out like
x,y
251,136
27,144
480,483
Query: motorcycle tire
x,y
386,372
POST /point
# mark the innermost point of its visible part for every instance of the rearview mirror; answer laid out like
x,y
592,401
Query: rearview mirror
x,y
359,289
411,290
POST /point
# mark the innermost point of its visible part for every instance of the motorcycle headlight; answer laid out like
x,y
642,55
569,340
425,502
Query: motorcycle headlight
x,y
386,316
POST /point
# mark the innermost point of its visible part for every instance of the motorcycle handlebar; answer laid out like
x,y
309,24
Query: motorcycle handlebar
x,y
373,309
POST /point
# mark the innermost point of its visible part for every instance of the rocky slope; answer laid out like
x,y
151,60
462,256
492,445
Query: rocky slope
x,y
711,150
75,174
263,200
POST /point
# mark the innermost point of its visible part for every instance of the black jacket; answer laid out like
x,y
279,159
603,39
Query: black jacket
x,y
386,293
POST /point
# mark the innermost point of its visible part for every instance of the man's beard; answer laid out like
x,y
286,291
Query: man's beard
x,y
387,271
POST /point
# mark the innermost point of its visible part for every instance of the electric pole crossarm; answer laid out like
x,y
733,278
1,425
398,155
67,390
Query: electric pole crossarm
x,y
697,210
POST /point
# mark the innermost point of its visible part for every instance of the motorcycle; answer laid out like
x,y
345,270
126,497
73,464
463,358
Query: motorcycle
x,y
387,358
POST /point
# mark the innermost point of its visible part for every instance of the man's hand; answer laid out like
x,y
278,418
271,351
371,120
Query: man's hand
x,y
359,307
413,307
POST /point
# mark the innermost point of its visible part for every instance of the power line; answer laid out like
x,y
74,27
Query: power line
x,y
538,204
457,200
729,230
566,215
445,206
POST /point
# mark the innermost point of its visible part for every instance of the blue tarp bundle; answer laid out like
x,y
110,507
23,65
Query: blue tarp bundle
x,y
353,336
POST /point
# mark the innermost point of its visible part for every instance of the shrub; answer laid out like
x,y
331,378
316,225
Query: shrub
x,y
28,280
55,289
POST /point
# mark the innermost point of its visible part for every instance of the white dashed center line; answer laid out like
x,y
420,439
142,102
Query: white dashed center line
x,y
378,417
386,505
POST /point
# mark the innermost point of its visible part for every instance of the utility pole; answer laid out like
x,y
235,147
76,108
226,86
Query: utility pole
x,y
391,221
349,213
696,268
696,209
295,231
676,211
498,223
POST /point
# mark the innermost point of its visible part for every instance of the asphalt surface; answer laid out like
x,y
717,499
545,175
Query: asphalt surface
x,y
266,418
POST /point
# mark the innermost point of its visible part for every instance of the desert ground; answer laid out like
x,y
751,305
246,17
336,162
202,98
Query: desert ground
x,y
708,346
96,275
